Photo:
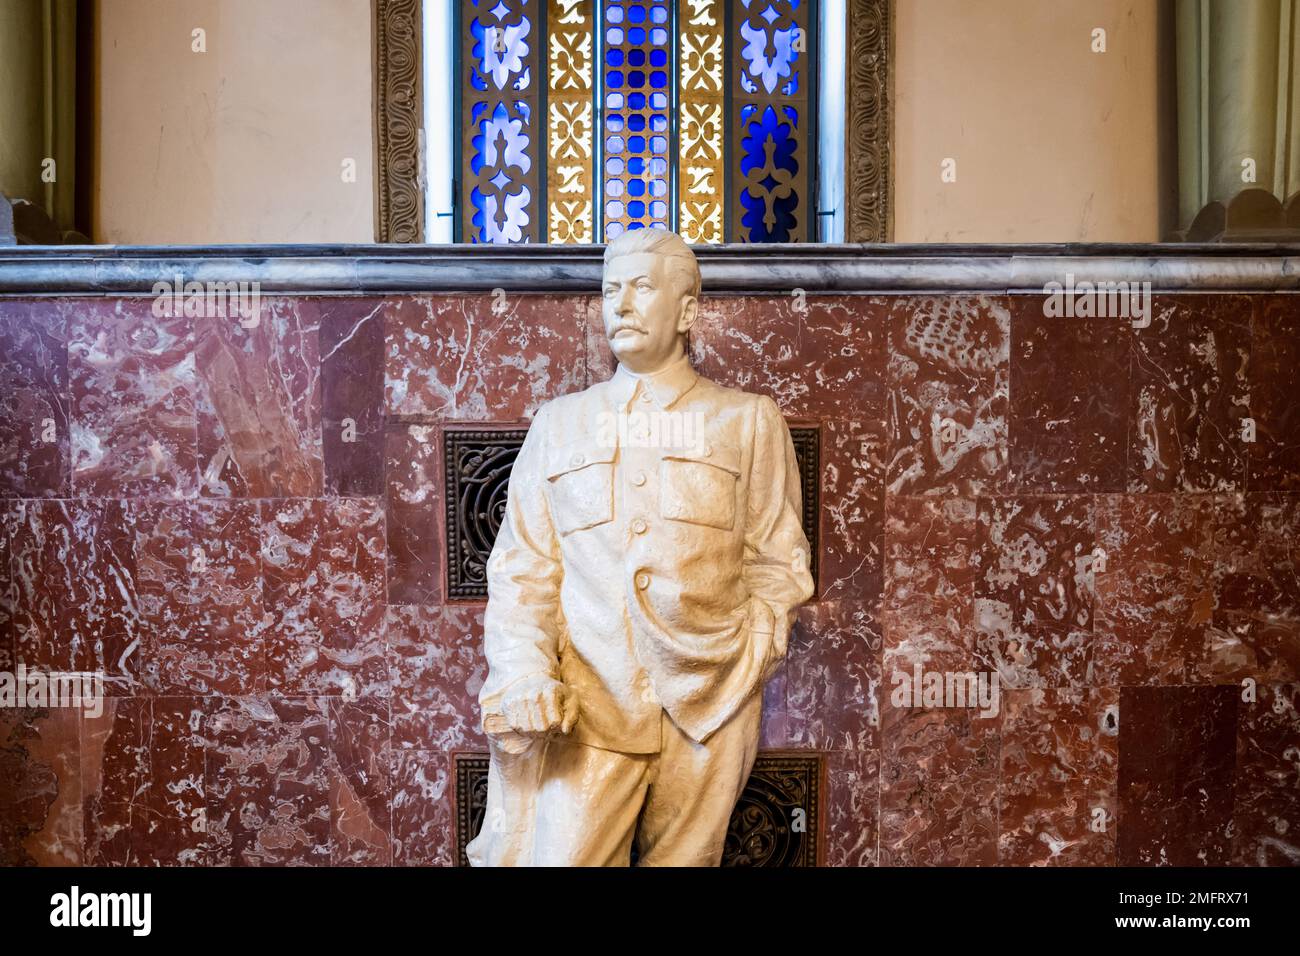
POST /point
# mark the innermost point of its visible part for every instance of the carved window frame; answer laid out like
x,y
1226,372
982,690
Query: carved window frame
x,y
869,122
399,119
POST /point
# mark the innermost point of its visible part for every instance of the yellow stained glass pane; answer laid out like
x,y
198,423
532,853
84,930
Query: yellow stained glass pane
x,y
701,120
569,179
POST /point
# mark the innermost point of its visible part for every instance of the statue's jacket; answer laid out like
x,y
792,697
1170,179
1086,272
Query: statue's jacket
x,y
651,555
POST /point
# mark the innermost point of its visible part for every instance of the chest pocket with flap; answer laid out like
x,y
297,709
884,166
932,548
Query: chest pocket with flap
x,y
581,476
699,486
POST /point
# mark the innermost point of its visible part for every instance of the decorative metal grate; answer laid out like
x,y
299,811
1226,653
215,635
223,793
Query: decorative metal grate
x,y
478,465
807,450
478,473
776,823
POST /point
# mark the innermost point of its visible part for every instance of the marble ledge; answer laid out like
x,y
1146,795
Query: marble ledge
x,y
907,268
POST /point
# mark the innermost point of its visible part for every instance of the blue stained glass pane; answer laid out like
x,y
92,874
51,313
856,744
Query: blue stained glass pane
x,y
614,101
499,66
614,78
614,166
769,55
768,130
614,144
639,46
501,48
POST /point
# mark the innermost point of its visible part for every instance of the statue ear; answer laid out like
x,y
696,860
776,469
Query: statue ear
x,y
689,313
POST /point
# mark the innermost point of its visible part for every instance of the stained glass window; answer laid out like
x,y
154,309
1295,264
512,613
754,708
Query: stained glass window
x,y
500,99
580,119
569,135
636,116
771,110
701,121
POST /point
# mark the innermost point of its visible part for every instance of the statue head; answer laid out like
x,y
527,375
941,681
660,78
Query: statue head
x,y
650,292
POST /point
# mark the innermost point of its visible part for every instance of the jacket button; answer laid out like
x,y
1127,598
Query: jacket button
x,y
708,450
639,479
642,580
577,459
639,526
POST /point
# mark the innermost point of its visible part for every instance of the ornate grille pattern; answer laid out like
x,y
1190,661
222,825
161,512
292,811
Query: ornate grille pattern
x,y
570,122
636,114
501,192
478,473
701,120
807,450
773,74
478,465
776,823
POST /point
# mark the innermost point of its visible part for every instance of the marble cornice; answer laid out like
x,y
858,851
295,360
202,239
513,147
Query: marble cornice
x,y
343,269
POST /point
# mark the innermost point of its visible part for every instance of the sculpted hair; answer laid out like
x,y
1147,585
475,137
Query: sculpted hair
x,y
683,266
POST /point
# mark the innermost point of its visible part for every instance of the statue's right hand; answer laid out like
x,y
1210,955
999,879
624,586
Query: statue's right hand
x,y
539,705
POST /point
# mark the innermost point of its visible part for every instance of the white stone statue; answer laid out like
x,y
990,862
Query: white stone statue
x,y
640,592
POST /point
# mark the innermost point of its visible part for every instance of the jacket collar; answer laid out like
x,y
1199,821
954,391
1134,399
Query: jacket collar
x,y
665,386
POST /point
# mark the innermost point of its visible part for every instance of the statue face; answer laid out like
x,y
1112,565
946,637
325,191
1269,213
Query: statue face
x,y
646,317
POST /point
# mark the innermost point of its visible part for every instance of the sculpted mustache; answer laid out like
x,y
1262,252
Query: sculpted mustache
x,y
628,328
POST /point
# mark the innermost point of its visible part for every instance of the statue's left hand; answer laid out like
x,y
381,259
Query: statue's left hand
x,y
534,706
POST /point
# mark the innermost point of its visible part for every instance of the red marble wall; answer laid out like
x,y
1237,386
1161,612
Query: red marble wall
x,y
287,681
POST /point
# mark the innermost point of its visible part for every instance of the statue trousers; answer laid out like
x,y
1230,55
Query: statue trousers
x,y
562,803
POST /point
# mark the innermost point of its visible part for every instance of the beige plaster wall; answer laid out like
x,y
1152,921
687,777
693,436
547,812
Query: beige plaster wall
x,y
1052,142
243,143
